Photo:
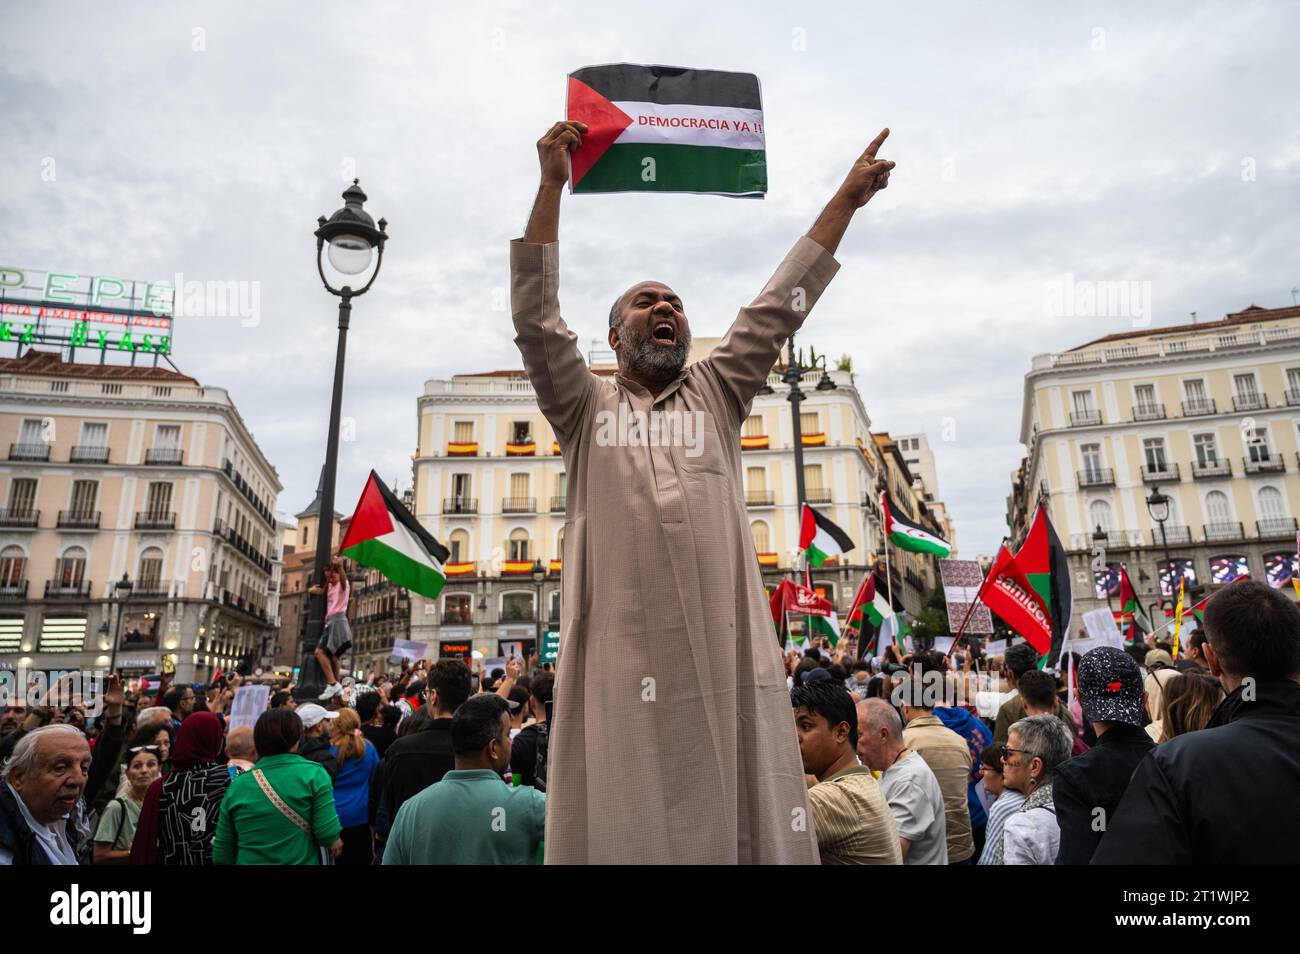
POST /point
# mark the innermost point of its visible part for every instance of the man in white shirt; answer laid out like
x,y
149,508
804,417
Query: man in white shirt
x,y
42,784
908,783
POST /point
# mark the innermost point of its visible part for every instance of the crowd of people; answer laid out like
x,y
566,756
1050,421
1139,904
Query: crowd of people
x,y
916,759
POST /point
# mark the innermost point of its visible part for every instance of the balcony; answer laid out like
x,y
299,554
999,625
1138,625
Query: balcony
x,y
1115,539
152,520
78,520
20,518
1149,412
73,591
460,505
1096,477
1159,473
519,505
1276,528
1173,535
760,498
164,456
1211,469
1264,464
1084,418
818,496
1292,396
150,589
518,616
1199,408
1223,532
1249,402
262,509
88,455
13,591
558,504
29,451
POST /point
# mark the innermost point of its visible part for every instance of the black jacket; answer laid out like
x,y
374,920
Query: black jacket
x,y
1095,780
19,840
1221,796
414,762
316,748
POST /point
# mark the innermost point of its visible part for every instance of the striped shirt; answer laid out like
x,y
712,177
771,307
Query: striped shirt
x,y
852,820
1006,804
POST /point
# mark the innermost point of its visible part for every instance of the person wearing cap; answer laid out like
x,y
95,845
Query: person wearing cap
x,y
1088,788
315,745
1225,795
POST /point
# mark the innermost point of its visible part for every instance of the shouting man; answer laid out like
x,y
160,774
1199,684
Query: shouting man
x,y
672,740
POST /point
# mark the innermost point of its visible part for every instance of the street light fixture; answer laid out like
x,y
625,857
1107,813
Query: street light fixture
x,y
353,241
794,372
1158,507
121,591
539,576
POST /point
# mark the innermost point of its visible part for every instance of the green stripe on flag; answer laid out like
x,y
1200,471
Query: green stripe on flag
x,y
397,567
676,168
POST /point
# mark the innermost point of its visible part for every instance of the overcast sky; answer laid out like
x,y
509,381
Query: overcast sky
x,y
1114,142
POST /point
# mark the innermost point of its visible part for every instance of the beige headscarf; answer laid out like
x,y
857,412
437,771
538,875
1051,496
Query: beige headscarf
x,y
1155,701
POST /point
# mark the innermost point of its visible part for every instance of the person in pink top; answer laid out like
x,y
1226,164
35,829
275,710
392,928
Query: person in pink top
x,y
336,635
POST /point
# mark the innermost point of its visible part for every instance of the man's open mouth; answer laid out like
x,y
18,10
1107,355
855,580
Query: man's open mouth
x,y
664,332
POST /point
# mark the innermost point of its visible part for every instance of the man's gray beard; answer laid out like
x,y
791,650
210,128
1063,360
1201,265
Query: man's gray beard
x,y
650,362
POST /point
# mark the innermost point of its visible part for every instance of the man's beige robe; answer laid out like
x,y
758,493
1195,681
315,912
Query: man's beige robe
x,y
673,739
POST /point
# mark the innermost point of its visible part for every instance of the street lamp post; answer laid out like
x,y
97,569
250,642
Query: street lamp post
x,y
539,577
794,372
121,590
1099,540
353,240
1158,507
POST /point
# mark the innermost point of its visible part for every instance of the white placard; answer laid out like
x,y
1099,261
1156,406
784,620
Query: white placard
x,y
249,703
942,644
409,649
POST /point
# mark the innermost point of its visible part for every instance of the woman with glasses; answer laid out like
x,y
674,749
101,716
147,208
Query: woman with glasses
x,y
117,822
1006,801
1034,748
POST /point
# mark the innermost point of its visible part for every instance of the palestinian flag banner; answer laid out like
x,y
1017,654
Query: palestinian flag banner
x,y
1016,601
791,599
385,535
1131,606
906,535
1042,560
667,129
869,605
820,539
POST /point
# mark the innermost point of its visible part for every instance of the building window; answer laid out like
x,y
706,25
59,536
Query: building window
x,y
167,437
464,432
159,499
1153,449
808,422
1207,452
1145,398
1217,510
554,615
1244,387
13,565
756,477
22,496
517,608
94,436
1082,401
1257,444
461,485
1271,508
457,609
758,531
1091,456
754,426
521,432
1099,515
518,546
458,545
70,568
150,576
84,495
1194,392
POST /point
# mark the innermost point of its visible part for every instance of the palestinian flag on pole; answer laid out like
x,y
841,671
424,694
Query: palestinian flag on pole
x,y
869,605
1041,558
1013,597
820,539
906,535
1131,606
385,535
667,129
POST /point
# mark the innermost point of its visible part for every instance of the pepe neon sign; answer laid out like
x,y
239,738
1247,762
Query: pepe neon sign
x,y
85,311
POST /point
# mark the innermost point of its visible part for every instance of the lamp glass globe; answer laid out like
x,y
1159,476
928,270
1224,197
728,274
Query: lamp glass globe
x,y
350,254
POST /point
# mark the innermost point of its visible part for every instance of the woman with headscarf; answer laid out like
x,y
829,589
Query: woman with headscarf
x,y
179,816
1154,699
1035,746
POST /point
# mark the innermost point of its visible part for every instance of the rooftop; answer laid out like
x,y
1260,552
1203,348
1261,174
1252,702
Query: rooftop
x,y
51,363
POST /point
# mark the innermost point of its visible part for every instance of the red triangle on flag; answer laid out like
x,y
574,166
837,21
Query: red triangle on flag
x,y
605,123
371,518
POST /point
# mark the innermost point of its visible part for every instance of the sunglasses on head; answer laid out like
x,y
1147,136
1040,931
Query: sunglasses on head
x,y
137,749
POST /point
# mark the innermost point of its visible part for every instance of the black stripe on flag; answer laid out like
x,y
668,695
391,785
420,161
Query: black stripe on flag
x,y
407,519
836,534
665,85
897,516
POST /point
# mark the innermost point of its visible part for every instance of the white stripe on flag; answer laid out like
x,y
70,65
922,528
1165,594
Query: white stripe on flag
x,y
406,543
648,125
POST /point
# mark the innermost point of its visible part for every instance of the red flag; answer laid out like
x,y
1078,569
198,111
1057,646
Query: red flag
x,y
1016,602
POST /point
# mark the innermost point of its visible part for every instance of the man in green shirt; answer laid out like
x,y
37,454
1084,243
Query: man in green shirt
x,y
472,817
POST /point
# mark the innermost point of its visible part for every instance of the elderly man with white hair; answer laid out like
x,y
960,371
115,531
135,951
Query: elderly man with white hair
x,y
41,812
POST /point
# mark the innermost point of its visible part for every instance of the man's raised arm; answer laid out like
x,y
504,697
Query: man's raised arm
x,y
550,350
744,357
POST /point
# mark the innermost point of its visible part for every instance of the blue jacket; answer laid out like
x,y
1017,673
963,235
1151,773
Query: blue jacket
x,y
977,736
352,786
